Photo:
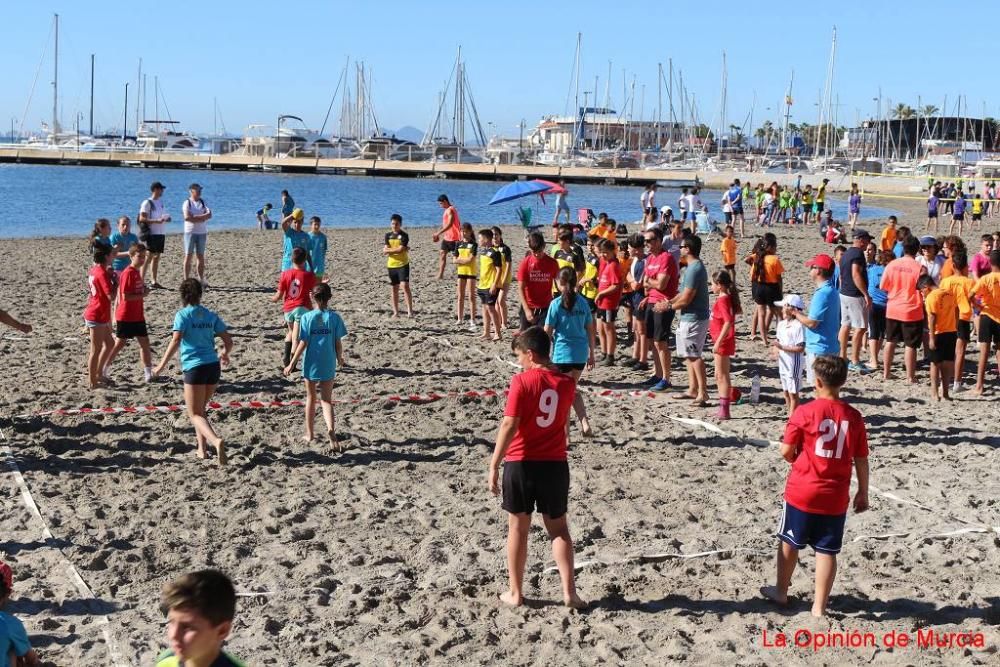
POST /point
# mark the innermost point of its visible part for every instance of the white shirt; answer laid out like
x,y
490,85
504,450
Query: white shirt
x,y
933,268
644,199
789,333
682,202
192,208
153,208
651,200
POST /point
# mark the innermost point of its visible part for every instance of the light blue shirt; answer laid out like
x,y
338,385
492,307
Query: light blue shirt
x,y
293,240
317,252
12,637
124,242
879,296
825,309
198,327
569,331
320,329
695,277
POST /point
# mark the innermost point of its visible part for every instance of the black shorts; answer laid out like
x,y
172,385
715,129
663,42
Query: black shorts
x,y
932,215
738,210
487,297
729,217
989,331
910,334
449,246
204,374
944,347
591,304
965,330
876,323
958,217
531,485
462,278
819,207
566,368
658,324
128,330
155,243
606,315
537,314
977,216
765,294
399,274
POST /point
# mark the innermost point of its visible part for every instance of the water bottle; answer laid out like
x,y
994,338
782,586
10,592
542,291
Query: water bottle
x,y
755,389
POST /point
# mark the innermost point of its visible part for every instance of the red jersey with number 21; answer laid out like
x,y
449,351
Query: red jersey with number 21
x,y
830,434
297,286
542,399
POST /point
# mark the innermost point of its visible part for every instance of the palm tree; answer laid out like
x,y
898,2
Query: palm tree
x,y
902,111
928,110
736,134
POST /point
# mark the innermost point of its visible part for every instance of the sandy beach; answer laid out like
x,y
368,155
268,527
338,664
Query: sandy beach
x,y
392,553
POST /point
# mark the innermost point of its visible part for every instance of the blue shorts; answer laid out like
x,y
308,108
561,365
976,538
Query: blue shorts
x,y
194,244
823,532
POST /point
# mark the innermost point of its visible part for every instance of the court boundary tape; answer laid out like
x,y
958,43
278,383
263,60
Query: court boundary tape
x,y
82,589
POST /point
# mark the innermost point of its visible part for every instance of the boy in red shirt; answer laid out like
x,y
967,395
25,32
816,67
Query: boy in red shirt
x,y
535,276
822,440
130,317
532,443
609,294
294,286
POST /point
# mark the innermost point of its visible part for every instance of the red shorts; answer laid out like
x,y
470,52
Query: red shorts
x,y
727,348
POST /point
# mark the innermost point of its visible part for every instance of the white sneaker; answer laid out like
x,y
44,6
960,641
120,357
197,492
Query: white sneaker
x,y
472,326
957,387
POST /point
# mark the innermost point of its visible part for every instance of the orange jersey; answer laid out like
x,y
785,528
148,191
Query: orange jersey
x,y
728,250
987,289
888,241
941,304
960,287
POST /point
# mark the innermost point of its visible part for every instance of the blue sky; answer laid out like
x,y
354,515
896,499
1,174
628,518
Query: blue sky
x,y
259,59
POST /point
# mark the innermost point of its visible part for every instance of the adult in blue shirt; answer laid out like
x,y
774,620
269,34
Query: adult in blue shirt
x,y
736,201
571,326
692,329
319,334
122,239
877,259
291,227
822,322
195,329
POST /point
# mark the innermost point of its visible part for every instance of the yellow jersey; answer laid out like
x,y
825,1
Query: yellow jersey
x,y
490,267
397,259
466,250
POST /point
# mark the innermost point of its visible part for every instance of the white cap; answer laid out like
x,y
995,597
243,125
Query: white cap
x,y
793,301
664,209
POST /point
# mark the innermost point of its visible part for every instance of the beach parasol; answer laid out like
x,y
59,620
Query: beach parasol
x,y
554,188
519,189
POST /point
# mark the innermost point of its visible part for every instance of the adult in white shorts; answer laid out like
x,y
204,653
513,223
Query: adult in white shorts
x,y
855,302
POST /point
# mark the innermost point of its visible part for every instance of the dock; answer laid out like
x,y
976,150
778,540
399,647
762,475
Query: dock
x,y
358,167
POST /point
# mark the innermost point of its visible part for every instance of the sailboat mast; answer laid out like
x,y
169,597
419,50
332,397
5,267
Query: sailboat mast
x,y
55,82
138,95
659,103
670,103
722,113
91,94
576,101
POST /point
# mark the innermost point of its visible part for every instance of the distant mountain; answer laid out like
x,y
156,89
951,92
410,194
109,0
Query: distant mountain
x,y
409,133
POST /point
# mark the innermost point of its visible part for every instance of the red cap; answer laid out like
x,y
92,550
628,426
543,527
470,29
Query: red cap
x,y
821,261
8,576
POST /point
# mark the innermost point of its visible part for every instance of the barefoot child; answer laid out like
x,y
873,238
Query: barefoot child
x,y
195,331
942,334
97,315
822,440
491,267
636,250
506,275
609,294
397,253
960,285
722,329
200,608
728,251
789,347
319,334
294,287
317,249
465,269
531,442
130,317
987,289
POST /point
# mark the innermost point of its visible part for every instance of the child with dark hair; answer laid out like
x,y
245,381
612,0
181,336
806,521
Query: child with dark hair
x,y
960,285
823,440
722,329
319,334
987,289
609,294
531,443
97,315
942,334
506,275
195,331
294,287
130,315
100,235
200,608
570,324
465,270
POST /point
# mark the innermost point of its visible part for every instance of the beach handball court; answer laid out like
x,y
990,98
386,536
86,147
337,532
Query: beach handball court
x,y
393,552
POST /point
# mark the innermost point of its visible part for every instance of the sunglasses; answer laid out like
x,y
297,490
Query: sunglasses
x,y
650,241
684,246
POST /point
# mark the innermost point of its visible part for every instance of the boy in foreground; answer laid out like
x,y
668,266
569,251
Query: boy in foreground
x,y
200,607
397,254
822,440
532,443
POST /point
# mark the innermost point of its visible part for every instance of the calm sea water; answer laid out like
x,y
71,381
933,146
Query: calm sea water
x,y
39,200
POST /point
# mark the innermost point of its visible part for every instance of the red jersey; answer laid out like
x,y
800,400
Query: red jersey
x,y
542,399
660,264
722,312
830,435
130,282
609,274
454,230
297,286
101,290
537,274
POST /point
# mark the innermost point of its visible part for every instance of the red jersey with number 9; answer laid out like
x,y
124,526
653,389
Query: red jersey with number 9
x,y
297,286
829,435
541,398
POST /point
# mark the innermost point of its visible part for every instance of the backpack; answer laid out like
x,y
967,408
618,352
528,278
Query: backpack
x,y
144,225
